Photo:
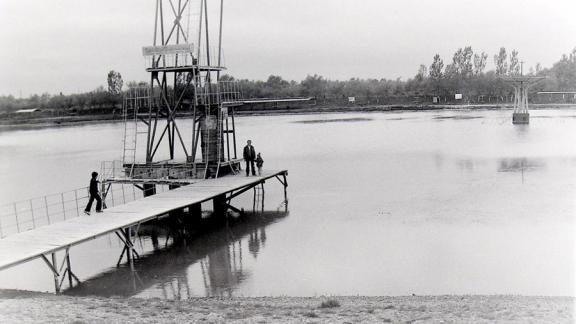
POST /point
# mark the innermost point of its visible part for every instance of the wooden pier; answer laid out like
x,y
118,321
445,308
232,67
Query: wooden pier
x,y
44,242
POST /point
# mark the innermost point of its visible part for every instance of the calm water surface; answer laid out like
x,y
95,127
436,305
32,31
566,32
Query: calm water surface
x,y
451,202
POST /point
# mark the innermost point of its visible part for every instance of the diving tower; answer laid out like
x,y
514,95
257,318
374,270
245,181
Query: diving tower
x,y
521,85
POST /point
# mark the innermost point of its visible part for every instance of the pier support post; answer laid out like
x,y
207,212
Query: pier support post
x,y
55,273
60,272
220,206
129,248
285,183
149,189
263,195
124,236
195,212
69,269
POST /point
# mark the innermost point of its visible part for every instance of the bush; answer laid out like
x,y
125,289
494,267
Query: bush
x,y
330,303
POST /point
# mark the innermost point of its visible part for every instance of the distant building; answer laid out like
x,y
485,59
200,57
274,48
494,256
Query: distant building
x,y
27,111
564,94
556,97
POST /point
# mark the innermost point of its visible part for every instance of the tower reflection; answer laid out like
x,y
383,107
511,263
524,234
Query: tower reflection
x,y
171,270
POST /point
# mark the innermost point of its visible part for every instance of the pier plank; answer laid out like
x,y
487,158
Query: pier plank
x,y
25,246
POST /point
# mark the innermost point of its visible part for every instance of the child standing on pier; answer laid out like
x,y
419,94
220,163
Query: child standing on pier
x,y
94,195
259,163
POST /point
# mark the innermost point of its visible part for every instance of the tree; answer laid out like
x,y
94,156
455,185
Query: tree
x,y
422,71
461,63
114,82
465,61
226,78
563,72
501,62
436,68
480,63
276,82
538,68
451,71
514,64
314,85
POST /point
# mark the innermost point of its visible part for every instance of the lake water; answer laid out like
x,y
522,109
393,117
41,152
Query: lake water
x,y
448,202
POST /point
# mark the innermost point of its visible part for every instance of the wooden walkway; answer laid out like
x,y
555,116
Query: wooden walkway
x,y
46,240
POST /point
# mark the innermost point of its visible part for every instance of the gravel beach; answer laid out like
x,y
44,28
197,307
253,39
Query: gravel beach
x,y
33,307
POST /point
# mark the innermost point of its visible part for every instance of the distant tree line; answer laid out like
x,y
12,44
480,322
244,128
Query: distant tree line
x,y
465,73
99,100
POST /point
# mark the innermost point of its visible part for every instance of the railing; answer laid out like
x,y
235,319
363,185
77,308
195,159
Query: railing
x,y
116,170
221,92
182,60
112,169
229,91
32,213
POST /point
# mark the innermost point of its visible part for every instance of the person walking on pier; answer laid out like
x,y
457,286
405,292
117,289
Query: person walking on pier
x,y
249,156
259,163
94,195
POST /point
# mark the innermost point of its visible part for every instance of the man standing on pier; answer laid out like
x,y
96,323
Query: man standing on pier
x,y
249,157
94,195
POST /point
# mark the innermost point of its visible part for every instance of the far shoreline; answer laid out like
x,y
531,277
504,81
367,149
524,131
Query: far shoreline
x,y
91,119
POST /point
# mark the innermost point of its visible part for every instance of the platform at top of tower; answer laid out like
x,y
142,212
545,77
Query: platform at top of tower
x,y
181,58
185,68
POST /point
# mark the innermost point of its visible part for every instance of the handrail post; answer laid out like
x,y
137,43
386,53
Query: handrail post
x,y
16,216
1,233
76,199
47,213
63,205
112,195
32,214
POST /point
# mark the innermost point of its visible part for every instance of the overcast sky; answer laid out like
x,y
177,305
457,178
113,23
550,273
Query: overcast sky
x,y
70,45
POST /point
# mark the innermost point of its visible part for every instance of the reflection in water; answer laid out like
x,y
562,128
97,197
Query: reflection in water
x,y
218,254
519,165
456,117
466,164
338,120
522,130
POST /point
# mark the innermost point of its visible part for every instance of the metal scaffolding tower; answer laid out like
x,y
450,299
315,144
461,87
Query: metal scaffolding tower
x,y
187,122
521,85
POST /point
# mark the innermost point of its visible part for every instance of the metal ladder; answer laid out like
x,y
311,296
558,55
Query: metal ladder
x,y
207,103
219,138
136,100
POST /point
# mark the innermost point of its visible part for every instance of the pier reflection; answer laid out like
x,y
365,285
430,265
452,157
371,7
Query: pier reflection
x,y
172,272
519,164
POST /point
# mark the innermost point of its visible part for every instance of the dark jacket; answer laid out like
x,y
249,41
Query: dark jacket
x,y
249,153
259,161
93,186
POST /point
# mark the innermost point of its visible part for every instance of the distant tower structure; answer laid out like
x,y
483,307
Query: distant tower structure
x,y
185,116
521,85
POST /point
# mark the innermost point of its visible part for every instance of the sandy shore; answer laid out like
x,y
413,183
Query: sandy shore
x,y
32,307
